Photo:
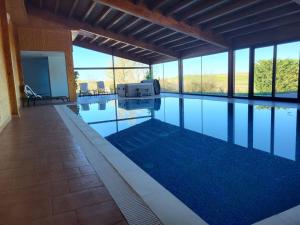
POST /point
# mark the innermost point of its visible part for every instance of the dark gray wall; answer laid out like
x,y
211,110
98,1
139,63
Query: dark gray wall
x,y
36,74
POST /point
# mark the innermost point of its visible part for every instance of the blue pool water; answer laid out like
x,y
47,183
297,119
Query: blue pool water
x,y
232,164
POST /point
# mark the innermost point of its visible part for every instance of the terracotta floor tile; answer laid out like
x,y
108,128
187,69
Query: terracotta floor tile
x,y
105,213
68,218
80,199
45,177
87,170
84,182
22,213
75,163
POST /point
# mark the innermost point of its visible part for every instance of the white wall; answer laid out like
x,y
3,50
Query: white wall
x,y
58,75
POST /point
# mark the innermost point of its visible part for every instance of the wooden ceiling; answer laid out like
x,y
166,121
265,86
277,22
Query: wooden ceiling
x,y
152,31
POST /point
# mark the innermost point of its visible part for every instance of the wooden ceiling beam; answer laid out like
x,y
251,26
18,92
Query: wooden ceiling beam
x,y
94,39
140,51
77,25
183,42
141,28
178,7
201,51
297,1
156,17
153,33
124,46
290,32
114,44
281,12
157,4
227,9
201,8
130,23
147,53
74,5
134,48
289,19
246,13
172,40
89,11
103,14
167,34
104,41
116,20
189,46
110,51
82,38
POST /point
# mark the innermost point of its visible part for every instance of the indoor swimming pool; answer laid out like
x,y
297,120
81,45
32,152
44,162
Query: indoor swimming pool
x,y
231,163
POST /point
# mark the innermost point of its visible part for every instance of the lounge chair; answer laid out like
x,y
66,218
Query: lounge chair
x,y
100,88
31,96
84,90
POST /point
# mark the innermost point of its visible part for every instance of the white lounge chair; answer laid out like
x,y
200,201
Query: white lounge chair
x,y
30,93
84,90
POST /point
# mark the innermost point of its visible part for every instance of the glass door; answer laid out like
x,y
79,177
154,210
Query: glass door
x,y
287,70
263,71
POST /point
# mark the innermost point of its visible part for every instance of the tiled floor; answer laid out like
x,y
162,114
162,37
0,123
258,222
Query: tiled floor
x,y
45,179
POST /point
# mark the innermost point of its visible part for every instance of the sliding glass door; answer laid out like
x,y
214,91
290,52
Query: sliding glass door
x,y
287,70
277,65
263,70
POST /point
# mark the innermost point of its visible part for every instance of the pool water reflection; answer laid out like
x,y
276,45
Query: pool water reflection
x,y
232,163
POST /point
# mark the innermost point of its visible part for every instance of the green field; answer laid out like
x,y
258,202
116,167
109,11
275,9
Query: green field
x,y
216,83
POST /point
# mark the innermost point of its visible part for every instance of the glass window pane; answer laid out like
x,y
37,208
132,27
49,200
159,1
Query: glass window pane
x,y
171,77
83,57
158,72
167,74
192,75
215,74
124,76
93,76
121,62
287,70
263,71
241,72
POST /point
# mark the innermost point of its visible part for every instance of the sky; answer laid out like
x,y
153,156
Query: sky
x,y
211,64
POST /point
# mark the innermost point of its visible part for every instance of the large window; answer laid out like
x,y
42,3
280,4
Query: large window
x,y
92,76
86,58
241,72
215,74
92,67
206,74
263,69
192,75
287,70
167,74
124,76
